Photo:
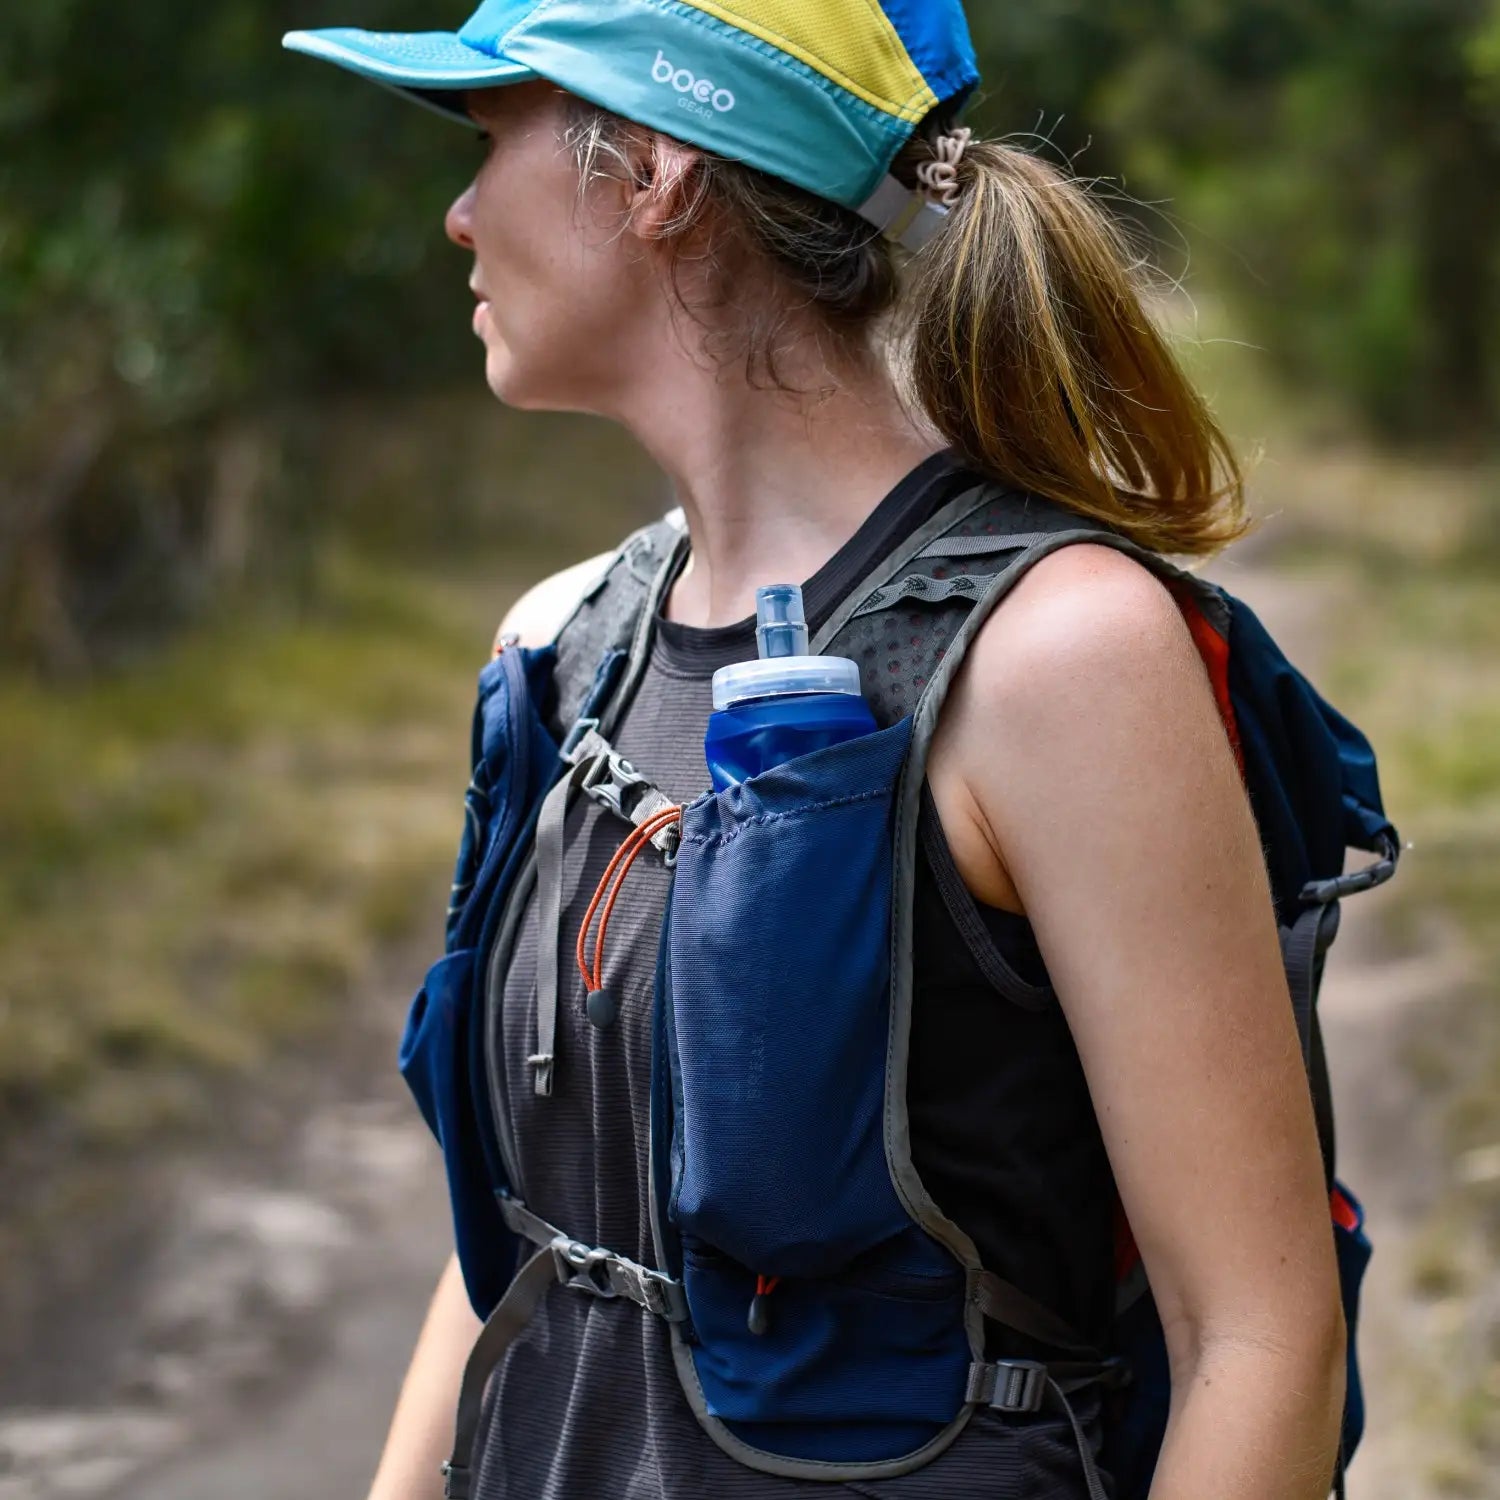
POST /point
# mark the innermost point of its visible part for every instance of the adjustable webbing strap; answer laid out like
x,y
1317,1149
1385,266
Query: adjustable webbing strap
x,y
1303,947
549,878
982,546
616,785
559,1259
904,215
600,1272
1024,1385
504,1326
1008,1305
1081,1438
602,774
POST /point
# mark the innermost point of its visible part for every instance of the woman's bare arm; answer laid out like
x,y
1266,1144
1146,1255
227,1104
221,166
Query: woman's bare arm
x,y
421,1431
1086,733
421,1434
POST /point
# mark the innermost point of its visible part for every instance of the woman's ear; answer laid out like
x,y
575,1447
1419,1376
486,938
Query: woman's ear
x,y
664,172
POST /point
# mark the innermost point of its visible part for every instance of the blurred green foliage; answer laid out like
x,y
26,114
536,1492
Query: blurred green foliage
x,y
1334,169
203,241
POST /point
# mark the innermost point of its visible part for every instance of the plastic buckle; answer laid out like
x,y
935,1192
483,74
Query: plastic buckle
x,y
584,1268
672,1295
659,1294
612,781
1326,892
1020,1385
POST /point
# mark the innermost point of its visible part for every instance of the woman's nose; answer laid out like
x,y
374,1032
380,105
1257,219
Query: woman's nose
x,y
459,220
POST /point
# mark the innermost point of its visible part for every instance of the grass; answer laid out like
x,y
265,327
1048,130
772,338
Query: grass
x,y
200,860
211,859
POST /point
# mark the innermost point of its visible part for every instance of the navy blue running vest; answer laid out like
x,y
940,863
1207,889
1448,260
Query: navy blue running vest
x,y
796,1186
586,1402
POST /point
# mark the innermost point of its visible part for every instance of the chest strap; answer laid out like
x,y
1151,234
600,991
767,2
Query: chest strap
x,y
558,1260
602,774
601,1273
1014,1387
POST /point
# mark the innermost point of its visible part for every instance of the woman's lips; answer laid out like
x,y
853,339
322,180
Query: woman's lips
x,y
484,302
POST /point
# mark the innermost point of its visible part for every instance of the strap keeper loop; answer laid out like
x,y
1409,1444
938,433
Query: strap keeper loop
x,y
572,750
1012,1385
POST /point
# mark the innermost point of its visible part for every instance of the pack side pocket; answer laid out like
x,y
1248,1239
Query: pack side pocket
x,y
515,759
442,1051
435,1062
863,1367
779,977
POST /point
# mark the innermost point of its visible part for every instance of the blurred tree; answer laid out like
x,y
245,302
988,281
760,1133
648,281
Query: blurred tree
x,y
1337,168
202,239
197,233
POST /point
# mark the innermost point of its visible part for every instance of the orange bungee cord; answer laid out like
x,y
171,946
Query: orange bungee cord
x,y
604,1008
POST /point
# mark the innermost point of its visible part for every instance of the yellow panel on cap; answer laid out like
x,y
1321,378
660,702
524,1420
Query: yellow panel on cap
x,y
850,42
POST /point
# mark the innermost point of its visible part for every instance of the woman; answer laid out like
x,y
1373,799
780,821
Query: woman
x,y
702,263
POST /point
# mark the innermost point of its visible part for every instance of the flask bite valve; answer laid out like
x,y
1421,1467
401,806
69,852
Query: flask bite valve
x,y
781,625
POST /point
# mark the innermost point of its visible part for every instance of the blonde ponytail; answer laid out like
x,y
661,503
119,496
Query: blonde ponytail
x,y
1026,332
1031,349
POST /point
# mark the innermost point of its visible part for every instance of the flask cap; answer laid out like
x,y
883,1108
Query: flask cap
x,y
784,665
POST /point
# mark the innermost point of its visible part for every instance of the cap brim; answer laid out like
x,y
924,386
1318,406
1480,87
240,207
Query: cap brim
x,y
431,68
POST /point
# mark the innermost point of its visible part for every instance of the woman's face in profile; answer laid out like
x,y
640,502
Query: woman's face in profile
x,y
562,292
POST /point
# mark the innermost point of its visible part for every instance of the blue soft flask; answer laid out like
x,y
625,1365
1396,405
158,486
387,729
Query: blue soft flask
x,y
785,703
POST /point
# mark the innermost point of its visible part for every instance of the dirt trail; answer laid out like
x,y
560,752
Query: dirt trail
x,y
269,1328
279,1312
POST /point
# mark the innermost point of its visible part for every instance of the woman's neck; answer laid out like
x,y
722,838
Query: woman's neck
x,y
772,484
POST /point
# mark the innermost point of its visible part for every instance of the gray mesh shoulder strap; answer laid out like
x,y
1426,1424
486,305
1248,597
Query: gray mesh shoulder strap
x,y
612,618
609,616
910,625
612,621
901,620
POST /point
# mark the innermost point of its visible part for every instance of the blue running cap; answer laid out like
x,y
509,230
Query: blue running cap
x,y
820,93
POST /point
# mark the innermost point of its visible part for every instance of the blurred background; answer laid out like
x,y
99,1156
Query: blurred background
x,y
259,517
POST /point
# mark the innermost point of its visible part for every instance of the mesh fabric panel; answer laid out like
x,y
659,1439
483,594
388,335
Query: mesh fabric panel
x,y
899,648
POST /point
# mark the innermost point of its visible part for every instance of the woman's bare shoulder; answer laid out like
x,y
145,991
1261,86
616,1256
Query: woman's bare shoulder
x,y
1090,645
538,615
1085,612
1083,676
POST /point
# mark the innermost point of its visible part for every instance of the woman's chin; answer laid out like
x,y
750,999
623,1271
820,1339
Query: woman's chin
x,y
519,388
501,373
